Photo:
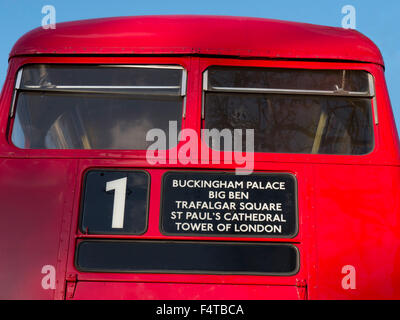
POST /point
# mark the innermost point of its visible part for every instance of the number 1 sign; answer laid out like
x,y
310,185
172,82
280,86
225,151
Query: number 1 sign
x,y
115,202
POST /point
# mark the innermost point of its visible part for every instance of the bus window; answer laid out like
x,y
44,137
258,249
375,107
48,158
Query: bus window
x,y
95,107
293,111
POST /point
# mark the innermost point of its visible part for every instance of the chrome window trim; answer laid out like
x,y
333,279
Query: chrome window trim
x,y
103,89
292,91
16,87
148,66
371,81
183,91
49,88
375,107
205,88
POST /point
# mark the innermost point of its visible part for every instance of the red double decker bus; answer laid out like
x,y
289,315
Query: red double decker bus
x,y
197,157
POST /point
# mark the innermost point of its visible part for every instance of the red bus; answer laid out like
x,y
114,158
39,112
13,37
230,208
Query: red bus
x,y
109,188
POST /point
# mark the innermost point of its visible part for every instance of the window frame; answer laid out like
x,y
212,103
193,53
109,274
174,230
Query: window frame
x,y
75,89
371,94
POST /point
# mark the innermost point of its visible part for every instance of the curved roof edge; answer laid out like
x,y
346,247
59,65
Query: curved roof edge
x,y
194,34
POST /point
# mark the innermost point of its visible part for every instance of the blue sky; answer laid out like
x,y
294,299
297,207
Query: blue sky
x,y
379,20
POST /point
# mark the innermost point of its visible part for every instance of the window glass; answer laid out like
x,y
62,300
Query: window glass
x,y
51,75
93,108
288,121
295,79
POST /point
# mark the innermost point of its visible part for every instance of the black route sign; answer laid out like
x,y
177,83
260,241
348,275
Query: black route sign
x,y
262,204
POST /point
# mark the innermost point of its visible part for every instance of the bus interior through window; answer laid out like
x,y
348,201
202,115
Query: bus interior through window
x,y
292,110
95,107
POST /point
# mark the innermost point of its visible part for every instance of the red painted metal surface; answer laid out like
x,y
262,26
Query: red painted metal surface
x,y
231,36
169,291
349,206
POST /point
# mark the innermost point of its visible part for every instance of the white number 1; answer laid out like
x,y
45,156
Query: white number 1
x,y
119,186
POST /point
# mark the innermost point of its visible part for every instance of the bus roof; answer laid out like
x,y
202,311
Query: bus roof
x,y
195,34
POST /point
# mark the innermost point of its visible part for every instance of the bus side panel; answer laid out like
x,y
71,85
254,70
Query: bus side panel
x,y
357,212
34,195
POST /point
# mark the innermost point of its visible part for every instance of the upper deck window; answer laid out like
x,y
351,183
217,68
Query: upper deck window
x,y
293,110
95,107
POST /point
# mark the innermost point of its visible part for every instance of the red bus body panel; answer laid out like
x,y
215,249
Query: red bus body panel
x,y
210,35
348,206
170,291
